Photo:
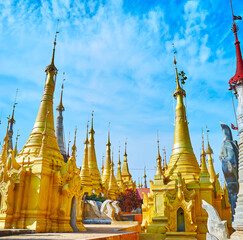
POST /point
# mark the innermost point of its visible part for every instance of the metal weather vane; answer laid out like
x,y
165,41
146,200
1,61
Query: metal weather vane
x,y
182,74
182,77
234,17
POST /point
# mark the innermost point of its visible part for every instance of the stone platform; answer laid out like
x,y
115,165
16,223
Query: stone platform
x,y
97,221
94,232
10,232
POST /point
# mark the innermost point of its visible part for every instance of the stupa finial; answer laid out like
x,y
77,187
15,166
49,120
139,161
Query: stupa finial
x,y
52,67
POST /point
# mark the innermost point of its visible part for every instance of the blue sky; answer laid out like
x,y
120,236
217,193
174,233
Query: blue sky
x,y
118,60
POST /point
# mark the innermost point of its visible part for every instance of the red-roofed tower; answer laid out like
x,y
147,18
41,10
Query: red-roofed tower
x,y
236,84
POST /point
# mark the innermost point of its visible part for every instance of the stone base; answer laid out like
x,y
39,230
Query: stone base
x,y
96,221
169,236
158,225
181,236
238,235
9,232
94,232
151,236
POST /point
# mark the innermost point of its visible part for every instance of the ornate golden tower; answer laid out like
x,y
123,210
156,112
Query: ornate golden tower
x,y
16,144
113,189
11,122
59,126
102,167
182,159
204,175
165,167
93,167
118,175
159,172
107,168
33,144
126,176
4,151
86,181
173,208
209,152
214,178
40,191
145,178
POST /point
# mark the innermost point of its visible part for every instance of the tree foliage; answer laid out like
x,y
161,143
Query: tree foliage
x,y
129,200
96,197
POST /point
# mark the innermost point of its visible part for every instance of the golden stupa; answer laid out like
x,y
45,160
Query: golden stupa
x,y
38,189
92,162
119,176
41,187
107,167
86,181
173,208
125,174
113,189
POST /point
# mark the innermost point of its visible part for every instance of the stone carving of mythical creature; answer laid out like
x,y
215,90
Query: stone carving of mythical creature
x,y
91,210
216,227
107,210
229,157
115,205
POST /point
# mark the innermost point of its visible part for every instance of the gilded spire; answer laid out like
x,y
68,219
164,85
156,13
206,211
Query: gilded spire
x,y
34,142
52,67
145,178
113,187
108,139
4,152
93,167
59,126
211,170
238,77
125,154
125,171
86,142
107,167
102,168
178,90
118,175
11,122
204,175
165,166
16,144
158,157
86,181
159,167
209,150
203,154
68,156
60,106
183,159
74,148
126,176
119,160
92,124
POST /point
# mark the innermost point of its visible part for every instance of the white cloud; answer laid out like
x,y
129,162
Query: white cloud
x,y
118,63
